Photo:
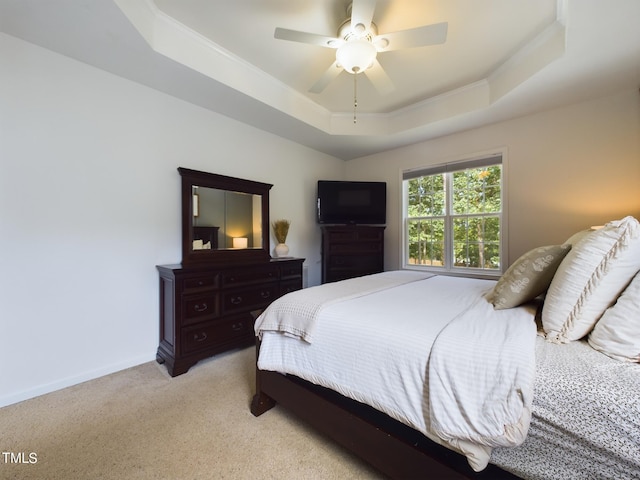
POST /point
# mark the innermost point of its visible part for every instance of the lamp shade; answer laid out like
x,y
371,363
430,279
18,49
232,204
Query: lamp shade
x,y
356,56
240,242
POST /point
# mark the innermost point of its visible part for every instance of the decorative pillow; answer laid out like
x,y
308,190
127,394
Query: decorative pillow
x,y
590,279
576,237
528,277
617,333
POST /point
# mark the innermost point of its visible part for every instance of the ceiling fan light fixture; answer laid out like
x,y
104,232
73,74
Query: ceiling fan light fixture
x,y
359,29
356,56
381,43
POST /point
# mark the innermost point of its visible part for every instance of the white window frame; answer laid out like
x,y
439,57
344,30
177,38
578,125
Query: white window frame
x,y
456,164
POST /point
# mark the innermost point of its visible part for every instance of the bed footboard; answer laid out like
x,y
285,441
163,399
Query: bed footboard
x,y
393,448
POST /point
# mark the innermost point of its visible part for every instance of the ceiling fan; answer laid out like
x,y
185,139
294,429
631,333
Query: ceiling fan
x,y
358,43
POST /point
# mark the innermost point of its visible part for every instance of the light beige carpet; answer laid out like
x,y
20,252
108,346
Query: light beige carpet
x,y
142,424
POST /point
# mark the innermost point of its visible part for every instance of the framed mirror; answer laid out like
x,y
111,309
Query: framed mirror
x,y
225,220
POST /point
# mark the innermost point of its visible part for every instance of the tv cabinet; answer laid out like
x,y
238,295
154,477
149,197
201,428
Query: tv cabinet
x,y
351,251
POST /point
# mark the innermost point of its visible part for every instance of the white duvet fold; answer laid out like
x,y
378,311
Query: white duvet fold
x,y
296,313
481,374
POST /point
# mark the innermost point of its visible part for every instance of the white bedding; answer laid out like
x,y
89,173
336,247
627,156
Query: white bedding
x,y
481,373
296,314
376,349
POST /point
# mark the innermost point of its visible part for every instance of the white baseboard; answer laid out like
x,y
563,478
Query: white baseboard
x,y
75,380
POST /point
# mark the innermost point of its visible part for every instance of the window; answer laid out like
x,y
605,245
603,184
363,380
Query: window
x,y
454,216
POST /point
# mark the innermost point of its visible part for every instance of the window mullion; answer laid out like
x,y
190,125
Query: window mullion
x,y
448,231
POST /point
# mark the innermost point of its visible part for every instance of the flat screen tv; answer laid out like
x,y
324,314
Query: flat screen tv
x,y
356,203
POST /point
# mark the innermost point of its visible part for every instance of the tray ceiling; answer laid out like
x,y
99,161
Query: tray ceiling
x,y
501,59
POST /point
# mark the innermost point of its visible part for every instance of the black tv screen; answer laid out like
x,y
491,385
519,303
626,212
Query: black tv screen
x,y
359,203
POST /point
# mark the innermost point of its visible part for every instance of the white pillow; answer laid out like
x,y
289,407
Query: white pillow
x,y
617,333
578,236
590,279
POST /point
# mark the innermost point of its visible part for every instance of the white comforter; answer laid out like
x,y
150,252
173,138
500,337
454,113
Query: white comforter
x,y
296,314
431,353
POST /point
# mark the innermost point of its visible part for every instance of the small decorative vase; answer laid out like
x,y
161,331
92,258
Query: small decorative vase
x,y
282,250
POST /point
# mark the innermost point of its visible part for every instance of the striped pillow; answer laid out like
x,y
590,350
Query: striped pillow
x,y
590,279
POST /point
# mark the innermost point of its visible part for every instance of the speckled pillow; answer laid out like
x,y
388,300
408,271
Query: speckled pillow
x,y
617,333
528,277
590,279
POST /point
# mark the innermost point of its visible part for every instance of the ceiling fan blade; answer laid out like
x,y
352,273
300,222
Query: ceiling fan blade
x,y
362,13
379,78
304,37
414,37
330,73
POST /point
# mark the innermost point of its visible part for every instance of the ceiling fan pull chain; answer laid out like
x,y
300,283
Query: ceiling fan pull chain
x,y
355,96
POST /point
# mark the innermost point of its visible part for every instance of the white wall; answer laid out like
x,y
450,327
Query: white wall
x,y
567,169
89,204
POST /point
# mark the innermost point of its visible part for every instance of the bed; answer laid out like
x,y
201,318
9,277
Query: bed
x,y
422,374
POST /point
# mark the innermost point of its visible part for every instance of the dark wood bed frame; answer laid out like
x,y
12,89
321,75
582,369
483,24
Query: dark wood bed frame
x,y
394,449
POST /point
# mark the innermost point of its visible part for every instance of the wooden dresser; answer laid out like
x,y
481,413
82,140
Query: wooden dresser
x,y
351,251
205,310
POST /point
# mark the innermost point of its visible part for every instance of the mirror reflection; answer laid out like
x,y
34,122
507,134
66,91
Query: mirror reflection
x,y
224,219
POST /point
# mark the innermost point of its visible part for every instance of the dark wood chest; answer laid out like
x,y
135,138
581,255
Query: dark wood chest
x,y
351,251
205,310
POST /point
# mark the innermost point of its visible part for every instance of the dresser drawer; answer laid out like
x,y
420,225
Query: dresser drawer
x,y
290,286
370,235
193,284
356,234
249,298
289,272
364,247
360,262
198,308
337,235
217,333
248,276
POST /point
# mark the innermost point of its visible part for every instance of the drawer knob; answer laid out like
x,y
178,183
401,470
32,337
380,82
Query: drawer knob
x,y
236,300
265,294
200,337
200,308
237,326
